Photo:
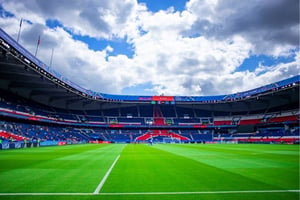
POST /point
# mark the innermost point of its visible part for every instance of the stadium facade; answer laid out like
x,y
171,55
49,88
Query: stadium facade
x,y
38,106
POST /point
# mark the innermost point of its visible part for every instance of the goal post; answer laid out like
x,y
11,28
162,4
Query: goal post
x,y
171,140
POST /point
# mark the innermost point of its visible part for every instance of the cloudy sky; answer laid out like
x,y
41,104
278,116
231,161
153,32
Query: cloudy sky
x,y
170,47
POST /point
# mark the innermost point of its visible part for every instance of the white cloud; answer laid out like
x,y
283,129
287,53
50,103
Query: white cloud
x,y
94,18
180,53
265,24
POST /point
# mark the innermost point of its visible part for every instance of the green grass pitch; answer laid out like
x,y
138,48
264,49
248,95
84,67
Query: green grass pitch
x,y
161,171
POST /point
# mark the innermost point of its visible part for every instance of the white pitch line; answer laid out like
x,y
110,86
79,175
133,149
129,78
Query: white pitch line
x,y
202,192
150,193
97,190
45,194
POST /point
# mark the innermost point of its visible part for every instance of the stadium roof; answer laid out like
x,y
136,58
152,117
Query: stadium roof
x,y
23,74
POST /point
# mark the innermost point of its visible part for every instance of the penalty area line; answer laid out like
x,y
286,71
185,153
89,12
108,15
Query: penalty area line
x,y
97,190
150,193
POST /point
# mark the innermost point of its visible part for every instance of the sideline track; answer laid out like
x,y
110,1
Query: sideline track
x,y
149,193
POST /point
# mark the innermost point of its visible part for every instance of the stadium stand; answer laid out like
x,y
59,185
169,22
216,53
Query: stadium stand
x,y
70,114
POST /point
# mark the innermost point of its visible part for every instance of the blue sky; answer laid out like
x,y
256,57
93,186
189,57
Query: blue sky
x,y
253,61
157,5
120,45
150,47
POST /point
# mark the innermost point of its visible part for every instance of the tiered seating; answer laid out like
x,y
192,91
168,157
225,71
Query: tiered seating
x,y
263,135
163,134
158,117
29,131
204,113
111,112
147,111
168,111
11,136
125,124
183,112
129,111
288,116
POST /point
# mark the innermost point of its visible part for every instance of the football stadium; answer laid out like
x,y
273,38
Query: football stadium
x,y
61,141
152,100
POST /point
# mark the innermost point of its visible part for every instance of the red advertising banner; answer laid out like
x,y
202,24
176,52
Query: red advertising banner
x,y
162,98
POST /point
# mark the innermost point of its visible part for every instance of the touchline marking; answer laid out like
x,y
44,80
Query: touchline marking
x,y
97,190
149,193
203,192
45,194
